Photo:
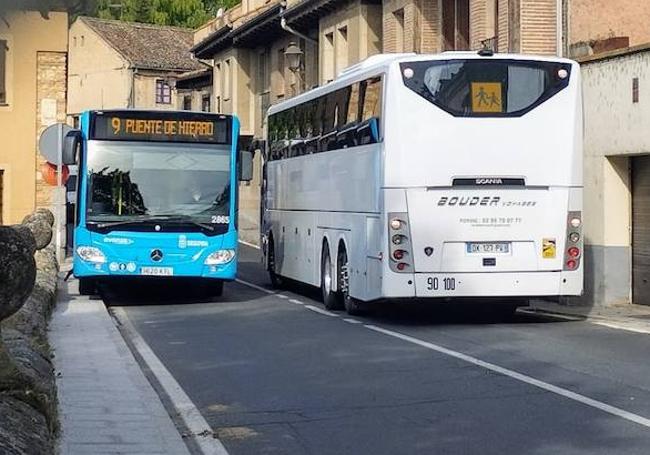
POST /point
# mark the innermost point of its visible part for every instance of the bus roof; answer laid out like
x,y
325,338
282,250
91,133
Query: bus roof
x,y
380,63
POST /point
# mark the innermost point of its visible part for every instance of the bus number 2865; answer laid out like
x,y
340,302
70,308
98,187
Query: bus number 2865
x,y
446,284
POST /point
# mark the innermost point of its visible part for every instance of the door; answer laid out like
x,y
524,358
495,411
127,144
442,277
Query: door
x,y
641,230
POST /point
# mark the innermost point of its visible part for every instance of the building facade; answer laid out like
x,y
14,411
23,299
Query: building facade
x,y
117,64
598,26
617,176
33,59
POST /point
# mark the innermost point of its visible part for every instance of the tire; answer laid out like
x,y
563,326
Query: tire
x,y
276,280
331,299
87,286
353,306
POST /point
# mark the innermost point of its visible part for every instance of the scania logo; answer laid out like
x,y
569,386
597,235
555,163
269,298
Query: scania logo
x,y
484,201
487,181
156,255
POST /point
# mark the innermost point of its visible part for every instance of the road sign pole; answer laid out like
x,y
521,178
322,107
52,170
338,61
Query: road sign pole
x,y
59,196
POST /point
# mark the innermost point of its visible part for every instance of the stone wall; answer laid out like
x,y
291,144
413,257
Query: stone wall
x,y
50,108
28,273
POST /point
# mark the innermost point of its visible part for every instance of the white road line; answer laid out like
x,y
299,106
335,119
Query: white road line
x,y
520,377
630,327
321,311
352,321
282,296
254,286
252,245
297,302
200,431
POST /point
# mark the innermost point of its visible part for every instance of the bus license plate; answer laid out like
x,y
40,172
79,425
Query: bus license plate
x,y
157,271
488,248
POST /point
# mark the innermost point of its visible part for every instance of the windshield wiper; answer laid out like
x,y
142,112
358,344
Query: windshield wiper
x,y
183,219
154,219
107,224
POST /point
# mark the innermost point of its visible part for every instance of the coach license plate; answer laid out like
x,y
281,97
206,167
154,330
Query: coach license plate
x,y
157,271
488,248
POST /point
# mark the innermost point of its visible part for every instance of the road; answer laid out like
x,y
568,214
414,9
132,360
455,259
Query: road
x,y
273,373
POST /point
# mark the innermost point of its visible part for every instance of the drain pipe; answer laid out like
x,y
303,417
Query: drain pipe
x,y
286,28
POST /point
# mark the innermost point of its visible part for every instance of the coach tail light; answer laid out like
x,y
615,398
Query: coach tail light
x,y
574,245
399,246
91,254
220,257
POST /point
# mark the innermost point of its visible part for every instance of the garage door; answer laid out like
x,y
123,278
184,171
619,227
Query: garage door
x,y
641,230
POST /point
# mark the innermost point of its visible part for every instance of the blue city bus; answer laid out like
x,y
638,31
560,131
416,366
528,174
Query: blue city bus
x,y
156,196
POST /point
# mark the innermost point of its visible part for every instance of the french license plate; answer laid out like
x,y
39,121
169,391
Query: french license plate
x,y
488,248
157,271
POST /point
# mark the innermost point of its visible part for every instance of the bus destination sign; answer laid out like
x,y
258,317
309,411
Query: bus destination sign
x,y
160,127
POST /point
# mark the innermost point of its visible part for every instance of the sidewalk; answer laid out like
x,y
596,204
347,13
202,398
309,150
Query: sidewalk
x,y
106,404
635,318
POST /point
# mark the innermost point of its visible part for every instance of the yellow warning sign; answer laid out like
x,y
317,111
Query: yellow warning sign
x,y
486,97
549,247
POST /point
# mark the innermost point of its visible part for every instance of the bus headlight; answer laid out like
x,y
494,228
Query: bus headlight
x,y
220,257
91,254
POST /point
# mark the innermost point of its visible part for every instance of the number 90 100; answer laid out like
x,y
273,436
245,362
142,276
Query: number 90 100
x,y
444,284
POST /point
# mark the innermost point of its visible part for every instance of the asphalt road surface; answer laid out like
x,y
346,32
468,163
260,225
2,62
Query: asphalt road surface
x,y
273,373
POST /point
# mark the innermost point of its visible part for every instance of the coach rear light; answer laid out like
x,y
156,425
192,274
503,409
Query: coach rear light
x,y
402,266
571,264
575,222
574,252
398,239
574,237
395,224
399,254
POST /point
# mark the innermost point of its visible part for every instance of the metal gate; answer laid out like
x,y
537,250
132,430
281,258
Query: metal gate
x,y
641,230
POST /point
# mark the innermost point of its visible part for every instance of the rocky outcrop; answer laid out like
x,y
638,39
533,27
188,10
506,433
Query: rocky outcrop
x,y
28,277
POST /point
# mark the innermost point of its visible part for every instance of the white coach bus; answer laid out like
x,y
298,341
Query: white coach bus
x,y
429,176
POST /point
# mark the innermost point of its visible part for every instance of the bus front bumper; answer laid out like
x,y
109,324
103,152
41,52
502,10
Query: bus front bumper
x,y
124,268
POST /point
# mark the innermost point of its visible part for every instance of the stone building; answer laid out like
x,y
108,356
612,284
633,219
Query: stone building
x,y
117,64
33,55
598,26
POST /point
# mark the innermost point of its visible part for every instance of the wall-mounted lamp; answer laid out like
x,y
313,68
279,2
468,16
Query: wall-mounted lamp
x,y
293,54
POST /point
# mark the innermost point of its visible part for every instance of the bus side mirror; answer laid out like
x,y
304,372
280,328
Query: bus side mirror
x,y
245,166
71,144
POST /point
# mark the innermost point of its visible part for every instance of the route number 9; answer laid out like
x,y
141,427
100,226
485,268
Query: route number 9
x,y
116,123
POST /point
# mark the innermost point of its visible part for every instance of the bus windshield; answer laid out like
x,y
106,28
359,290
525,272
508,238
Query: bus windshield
x,y
486,88
140,180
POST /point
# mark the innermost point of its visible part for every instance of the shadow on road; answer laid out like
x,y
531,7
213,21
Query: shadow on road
x,y
166,292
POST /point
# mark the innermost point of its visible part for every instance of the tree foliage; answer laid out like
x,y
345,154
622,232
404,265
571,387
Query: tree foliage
x,y
183,13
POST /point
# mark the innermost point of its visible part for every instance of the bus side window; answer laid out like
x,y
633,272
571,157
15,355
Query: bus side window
x,y
328,135
370,111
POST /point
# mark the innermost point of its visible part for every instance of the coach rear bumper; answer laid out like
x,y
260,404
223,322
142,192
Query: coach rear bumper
x,y
503,284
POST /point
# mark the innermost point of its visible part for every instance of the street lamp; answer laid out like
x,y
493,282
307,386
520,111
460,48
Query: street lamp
x,y
293,54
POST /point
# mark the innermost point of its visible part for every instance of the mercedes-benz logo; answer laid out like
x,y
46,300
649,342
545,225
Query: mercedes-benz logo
x,y
156,255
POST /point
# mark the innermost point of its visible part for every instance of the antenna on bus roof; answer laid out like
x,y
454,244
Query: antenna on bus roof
x,y
486,50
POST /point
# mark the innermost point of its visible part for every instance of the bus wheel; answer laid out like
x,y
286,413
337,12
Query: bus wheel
x,y
87,286
276,280
353,306
331,299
